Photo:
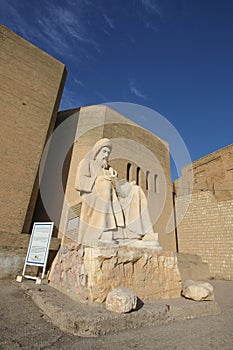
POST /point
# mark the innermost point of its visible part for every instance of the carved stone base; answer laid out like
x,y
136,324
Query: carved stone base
x,y
91,272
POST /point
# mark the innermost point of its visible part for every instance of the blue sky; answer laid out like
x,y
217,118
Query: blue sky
x,y
173,56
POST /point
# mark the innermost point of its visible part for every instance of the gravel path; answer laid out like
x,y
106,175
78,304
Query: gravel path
x,y
23,325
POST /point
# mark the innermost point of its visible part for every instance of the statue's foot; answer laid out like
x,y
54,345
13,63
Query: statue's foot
x,y
107,238
105,241
153,236
151,240
148,241
126,241
146,244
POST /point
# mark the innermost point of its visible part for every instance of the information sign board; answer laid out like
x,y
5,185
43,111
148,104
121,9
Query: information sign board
x,y
38,248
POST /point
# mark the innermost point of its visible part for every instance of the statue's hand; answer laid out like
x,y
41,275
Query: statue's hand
x,y
110,177
107,177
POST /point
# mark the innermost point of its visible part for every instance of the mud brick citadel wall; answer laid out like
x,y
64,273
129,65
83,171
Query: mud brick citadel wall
x,y
207,228
30,92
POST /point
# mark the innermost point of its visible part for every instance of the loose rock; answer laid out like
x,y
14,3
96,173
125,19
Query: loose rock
x,y
198,290
121,300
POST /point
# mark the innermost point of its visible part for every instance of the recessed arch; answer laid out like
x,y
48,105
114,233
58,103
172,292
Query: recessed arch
x,y
155,183
147,179
138,170
128,171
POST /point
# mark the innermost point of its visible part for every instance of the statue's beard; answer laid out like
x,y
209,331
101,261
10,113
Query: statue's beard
x,y
104,163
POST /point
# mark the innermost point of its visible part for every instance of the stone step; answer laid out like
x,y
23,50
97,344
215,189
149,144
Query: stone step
x,y
192,267
87,319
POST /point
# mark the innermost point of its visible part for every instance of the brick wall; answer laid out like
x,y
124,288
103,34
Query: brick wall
x,y
31,83
207,227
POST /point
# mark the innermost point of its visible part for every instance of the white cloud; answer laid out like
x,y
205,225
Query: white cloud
x,y
70,100
51,35
67,22
61,28
135,91
78,82
70,25
108,21
17,20
106,32
152,6
150,25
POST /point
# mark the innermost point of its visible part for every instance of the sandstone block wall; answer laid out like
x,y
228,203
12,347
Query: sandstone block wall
x,y
31,83
207,228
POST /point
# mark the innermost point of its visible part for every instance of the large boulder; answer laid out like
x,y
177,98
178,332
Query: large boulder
x,y
121,300
198,290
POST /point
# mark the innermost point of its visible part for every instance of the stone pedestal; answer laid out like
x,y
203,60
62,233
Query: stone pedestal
x,y
91,272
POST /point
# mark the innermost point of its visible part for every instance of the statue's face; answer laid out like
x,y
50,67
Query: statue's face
x,y
103,154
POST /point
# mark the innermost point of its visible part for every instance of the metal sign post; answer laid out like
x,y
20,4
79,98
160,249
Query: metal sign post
x,y
38,249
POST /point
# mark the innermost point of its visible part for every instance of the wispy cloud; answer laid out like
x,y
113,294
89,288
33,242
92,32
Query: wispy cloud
x,y
150,25
101,97
78,82
72,96
70,100
59,28
106,32
152,6
51,35
109,21
131,38
69,26
18,23
135,91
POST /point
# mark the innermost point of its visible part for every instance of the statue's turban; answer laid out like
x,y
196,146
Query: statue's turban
x,y
99,145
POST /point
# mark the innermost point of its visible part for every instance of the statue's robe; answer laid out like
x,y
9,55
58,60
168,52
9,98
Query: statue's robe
x,y
109,206
101,209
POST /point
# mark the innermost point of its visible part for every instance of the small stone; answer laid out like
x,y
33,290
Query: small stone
x,y
198,290
121,300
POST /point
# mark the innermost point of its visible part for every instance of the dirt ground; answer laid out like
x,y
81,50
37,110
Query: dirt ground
x,y
23,325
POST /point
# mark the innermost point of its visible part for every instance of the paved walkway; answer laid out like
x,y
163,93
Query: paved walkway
x,y
23,325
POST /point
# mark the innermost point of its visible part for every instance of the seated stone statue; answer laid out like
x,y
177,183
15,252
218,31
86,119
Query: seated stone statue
x,y
112,210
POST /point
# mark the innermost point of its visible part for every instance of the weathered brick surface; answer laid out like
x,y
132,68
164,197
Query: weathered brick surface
x,y
207,228
31,83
